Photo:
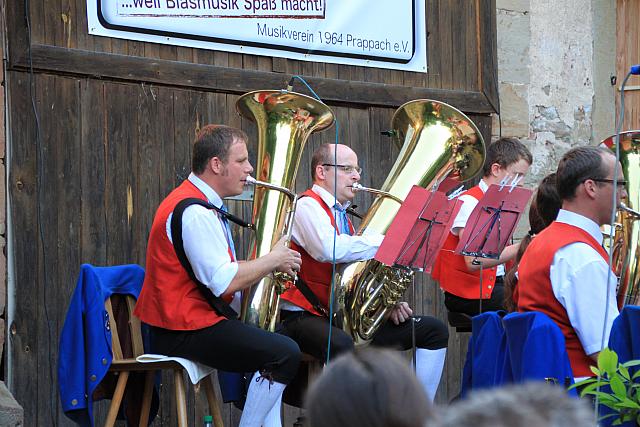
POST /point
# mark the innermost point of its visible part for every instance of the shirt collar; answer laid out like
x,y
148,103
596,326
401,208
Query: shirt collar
x,y
327,197
483,186
581,221
209,192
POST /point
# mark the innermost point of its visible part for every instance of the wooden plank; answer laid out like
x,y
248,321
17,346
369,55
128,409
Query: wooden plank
x,y
26,244
434,44
459,60
66,61
488,53
93,239
17,34
446,44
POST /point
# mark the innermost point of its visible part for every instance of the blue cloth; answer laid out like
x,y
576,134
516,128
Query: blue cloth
x,y
486,354
536,349
342,218
625,341
85,341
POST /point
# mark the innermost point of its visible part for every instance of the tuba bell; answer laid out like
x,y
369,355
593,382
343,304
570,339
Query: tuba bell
x,y
284,121
437,142
626,236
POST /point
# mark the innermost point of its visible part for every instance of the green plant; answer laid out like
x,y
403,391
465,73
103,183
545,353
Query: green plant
x,y
614,387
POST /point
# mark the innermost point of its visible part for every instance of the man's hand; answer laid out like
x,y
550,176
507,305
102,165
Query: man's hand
x,y
400,313
287,260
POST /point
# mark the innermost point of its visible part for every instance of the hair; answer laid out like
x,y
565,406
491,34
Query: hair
x,y
370,387
323,154
214,141
505,152
578,165
543,211
535,404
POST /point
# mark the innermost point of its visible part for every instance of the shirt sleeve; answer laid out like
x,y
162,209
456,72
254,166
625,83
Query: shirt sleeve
x,y
468,205
579,280
313,231
206,248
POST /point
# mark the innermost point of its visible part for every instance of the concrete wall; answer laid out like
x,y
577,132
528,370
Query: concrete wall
x,y
555,60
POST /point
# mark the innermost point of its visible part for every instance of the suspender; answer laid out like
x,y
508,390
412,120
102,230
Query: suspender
x,y
219,305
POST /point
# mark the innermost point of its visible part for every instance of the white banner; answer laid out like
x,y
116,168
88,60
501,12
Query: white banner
x,y
373,33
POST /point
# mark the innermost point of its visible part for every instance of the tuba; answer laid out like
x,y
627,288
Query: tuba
x,y
626,236
437,142
284,120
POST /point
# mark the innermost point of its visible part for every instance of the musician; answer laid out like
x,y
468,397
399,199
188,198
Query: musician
x,y
564,271
322,232
183,321
458,275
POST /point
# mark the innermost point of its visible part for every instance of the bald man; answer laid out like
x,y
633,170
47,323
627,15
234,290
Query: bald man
x,y
320,225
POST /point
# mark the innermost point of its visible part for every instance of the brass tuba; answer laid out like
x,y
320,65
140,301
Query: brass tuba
x,y
284,120
626,238
437,141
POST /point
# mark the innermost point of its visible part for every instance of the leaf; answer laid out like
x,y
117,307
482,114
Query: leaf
x,y
618,387
595,370
628,403
589,389
608,361
631,363
624,372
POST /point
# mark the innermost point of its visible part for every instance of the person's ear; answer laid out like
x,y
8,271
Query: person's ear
x,y
216,165
590,188
495,169
321,173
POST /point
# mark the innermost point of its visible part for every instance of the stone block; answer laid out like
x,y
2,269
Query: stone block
x,y
522,6
514,110
513,40
11,413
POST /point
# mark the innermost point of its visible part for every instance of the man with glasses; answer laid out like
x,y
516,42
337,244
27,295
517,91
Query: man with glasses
x,y
323,234
565,272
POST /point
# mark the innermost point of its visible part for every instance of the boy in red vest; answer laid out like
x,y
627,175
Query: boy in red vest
x,y
190,311
564,272
321,227
459,276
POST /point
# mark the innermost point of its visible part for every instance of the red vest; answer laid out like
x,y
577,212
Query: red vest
x,y
451,270
169,298
535,292
317,275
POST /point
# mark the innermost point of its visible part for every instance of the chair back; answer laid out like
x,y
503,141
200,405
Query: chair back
x,y
536,348
486,354
126,331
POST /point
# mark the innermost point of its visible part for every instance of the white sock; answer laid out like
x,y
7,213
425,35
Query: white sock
x,y
273,418
261,398
429,366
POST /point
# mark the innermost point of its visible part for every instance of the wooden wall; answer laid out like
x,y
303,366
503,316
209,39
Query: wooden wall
x,y
100,130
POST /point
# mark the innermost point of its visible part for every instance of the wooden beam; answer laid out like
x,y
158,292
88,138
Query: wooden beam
x,y
51,59
488,55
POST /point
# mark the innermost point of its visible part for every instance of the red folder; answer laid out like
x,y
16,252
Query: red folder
x,y
419,230
493,221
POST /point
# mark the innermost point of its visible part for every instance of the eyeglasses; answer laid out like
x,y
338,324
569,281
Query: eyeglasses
x,y
346,168
619,182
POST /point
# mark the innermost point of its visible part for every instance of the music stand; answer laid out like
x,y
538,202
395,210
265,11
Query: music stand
x,y
419,230
493,222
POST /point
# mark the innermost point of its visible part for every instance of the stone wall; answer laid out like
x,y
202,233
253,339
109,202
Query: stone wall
x,y
555,60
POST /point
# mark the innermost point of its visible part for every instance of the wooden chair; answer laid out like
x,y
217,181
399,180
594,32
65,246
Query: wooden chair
x,y
127,345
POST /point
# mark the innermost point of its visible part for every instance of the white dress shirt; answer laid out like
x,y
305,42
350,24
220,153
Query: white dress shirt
x,y
205,243
469,203
312,230
579,280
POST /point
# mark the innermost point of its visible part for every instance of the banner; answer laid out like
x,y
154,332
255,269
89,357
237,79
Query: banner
x,y
373,33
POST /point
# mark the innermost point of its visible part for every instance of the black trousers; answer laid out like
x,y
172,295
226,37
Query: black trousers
x,y
232,346
311,332
471,307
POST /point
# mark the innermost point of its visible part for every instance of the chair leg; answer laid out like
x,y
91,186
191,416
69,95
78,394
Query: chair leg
x,y
214,401
181,399
117,399
146,398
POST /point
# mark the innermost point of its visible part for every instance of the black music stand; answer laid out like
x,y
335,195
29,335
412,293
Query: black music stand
x,y
493,222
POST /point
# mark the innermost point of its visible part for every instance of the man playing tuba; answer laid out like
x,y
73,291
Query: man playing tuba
x,y
190,286
321,217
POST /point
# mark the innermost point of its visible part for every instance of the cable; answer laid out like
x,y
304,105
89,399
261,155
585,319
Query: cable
x,y
335,196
